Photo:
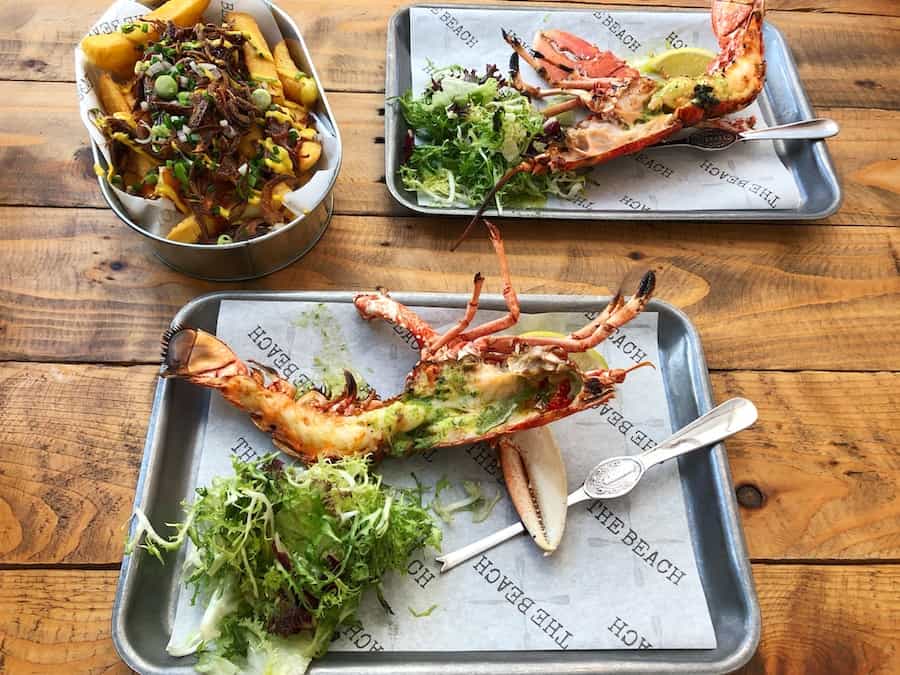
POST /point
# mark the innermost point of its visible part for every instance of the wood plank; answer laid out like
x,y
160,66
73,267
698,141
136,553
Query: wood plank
x,y
67,475
817,474
56,621
852,67
815,618
48,139
761,296
827,619
824,472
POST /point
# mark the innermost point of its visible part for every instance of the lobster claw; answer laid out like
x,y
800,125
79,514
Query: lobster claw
x,y
535,478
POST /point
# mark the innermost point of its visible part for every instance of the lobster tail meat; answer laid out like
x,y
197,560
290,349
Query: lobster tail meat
x,y
741,59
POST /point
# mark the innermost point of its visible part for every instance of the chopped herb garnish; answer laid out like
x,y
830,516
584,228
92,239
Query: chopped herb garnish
x,y
181,170
423,613
705,96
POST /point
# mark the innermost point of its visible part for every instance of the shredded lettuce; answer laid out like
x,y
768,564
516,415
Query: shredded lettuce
x,y
475,501
472,129
283,555
423,613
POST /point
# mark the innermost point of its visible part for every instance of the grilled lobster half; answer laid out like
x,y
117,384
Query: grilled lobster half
x,y
469,385
627,111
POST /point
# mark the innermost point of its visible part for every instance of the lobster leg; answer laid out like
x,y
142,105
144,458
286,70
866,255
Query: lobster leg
x,y
525,166
565,106
509,293
622,315
592,83
471,308
548,70
516,78
380,305
602,318
615,375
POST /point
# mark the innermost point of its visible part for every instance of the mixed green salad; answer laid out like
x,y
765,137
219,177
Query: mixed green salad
x,y
282,555
471,128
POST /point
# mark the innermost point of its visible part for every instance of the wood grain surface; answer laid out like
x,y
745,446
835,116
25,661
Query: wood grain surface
x,y
843,61
801,318
818,619
763,297
42,132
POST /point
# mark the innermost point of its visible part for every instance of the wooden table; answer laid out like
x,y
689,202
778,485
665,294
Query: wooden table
x,y
801,318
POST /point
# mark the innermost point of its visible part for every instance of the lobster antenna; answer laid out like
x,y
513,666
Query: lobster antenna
x,y
504,179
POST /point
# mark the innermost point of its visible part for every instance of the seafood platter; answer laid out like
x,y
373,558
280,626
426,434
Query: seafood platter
x,y
552,382
340,481
591,100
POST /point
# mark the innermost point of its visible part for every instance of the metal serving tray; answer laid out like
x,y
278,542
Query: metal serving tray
x,y
145,601
783,100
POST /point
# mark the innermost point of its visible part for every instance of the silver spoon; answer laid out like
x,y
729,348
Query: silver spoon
x,y
720,139
617,476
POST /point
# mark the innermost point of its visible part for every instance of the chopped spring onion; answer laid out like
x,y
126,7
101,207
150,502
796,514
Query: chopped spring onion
x,y
423,613
475,501
261,98
165,87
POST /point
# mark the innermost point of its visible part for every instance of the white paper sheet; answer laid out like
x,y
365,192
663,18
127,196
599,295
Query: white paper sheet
x,y
159,215
625,575
746,176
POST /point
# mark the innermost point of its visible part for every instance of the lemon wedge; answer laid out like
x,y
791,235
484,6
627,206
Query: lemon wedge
x,y
684,62
589,360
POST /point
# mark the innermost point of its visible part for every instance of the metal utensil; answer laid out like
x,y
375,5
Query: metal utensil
x,y
711,140
617,476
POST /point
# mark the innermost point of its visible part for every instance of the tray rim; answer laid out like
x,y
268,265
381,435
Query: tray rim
x,y
532,662
392,118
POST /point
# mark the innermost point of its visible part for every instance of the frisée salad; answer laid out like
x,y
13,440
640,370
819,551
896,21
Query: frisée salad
x,y
282,555
466,131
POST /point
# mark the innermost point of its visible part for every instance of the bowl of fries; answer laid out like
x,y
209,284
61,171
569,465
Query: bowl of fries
x,y
211,134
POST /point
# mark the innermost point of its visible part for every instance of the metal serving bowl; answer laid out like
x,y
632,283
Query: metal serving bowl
x,y
273,250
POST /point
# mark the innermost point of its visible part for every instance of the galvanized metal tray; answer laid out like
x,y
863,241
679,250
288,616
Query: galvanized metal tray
x,y
783,100
146,598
